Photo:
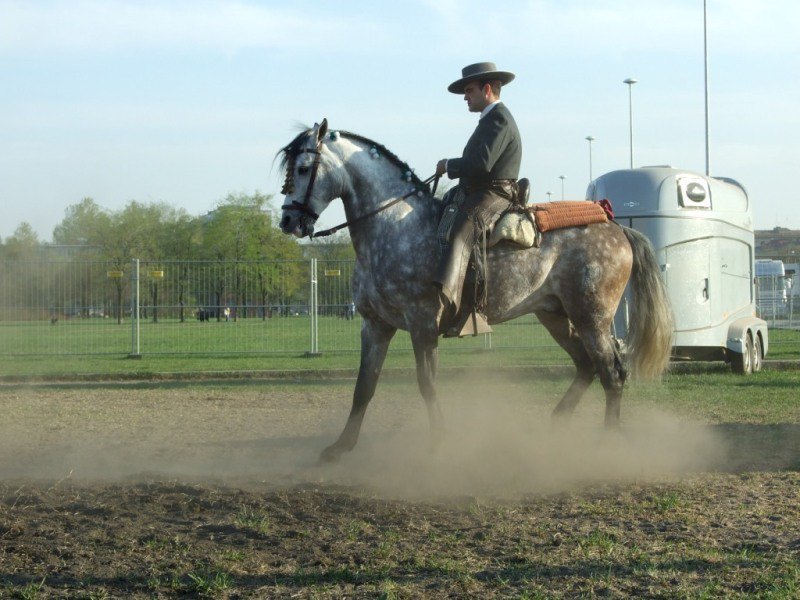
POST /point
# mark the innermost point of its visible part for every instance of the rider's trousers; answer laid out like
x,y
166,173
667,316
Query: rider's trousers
x,y
473,217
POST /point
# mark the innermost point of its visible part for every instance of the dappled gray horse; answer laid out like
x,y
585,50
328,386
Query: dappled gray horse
x,y
573,282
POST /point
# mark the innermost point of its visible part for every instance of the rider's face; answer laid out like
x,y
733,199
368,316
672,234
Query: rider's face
x,y
476,97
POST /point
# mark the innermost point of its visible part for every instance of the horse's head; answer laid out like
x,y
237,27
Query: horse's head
x,y
321,166
308,186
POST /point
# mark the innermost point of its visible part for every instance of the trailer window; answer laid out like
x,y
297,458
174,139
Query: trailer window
x,y
694,192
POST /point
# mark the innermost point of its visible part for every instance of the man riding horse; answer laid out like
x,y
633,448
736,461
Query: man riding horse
x,y
487,172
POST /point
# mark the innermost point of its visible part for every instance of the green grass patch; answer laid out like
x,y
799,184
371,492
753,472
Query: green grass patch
x,y
208,584
72,348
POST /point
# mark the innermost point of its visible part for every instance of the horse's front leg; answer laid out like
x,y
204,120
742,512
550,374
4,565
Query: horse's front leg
x,y
425,341
375,338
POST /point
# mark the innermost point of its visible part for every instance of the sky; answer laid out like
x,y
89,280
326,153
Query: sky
x,y
186,102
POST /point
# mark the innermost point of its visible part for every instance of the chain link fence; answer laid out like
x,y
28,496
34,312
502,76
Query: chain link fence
x,y
85,307
58,307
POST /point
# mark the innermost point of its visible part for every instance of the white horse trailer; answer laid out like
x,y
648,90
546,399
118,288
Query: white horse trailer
x,y
702,230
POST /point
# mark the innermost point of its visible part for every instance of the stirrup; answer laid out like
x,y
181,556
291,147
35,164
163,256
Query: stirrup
x,y
468,323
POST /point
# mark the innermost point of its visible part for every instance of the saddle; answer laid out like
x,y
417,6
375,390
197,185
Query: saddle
x,y
505,225
522,224
516,223
525,229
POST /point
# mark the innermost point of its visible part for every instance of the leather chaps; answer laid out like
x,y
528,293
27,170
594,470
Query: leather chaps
x,y
473,219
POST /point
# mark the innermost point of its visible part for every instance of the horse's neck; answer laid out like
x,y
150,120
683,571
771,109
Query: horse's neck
x,y
399,231
402,232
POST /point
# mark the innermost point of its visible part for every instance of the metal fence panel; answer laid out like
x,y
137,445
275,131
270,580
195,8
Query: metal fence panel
x,y
61,307
224,307
50,307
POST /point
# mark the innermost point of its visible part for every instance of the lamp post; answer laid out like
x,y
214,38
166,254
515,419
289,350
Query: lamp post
x,y
705,80
630,81
562,178
590,139
549,194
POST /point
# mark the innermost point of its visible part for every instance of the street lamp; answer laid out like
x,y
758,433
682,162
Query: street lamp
x,y
705,79
630,81
549,194
562,178
590,139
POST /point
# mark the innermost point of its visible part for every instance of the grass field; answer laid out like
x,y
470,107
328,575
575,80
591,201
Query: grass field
x,y
101,346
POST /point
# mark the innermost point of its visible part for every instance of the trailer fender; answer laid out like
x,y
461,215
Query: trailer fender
x,y
737,334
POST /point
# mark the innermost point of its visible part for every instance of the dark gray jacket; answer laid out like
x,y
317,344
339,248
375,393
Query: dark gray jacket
x,y
494,151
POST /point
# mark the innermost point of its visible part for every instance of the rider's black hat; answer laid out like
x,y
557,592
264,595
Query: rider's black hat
x,y
481,70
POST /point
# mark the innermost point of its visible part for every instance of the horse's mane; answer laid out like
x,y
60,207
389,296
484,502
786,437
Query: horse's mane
x,y
291,150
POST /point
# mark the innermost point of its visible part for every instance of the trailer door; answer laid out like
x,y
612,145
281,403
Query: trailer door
x,y
688,283
737,279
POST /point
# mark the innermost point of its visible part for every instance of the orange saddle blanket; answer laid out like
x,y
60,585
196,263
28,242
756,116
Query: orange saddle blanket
x,y
568,213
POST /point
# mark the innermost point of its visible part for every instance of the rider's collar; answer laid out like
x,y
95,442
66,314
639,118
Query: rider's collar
x,y
486,110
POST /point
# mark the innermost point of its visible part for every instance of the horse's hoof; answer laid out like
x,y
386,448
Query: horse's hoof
x,y
330,455
560,419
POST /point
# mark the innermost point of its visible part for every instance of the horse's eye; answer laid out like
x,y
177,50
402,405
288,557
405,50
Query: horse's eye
x,y
302,170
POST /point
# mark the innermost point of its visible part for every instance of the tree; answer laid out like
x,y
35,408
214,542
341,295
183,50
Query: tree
x,y
241,231
84,223
147,232
30,284
182,244
150,232
332,248
23,243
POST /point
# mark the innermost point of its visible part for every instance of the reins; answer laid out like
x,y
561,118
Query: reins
x,y
372,213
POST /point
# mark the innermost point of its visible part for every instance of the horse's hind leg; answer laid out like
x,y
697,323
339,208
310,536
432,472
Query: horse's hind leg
x,y
559,327
612,375
375,338
607,363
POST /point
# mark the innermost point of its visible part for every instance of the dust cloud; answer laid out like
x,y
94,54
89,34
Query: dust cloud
x,y
499,438
492,449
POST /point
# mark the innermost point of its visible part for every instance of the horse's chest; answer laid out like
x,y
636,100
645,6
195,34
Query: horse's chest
x,y
388,284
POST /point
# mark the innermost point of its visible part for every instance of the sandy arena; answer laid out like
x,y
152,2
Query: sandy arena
x,y
212,489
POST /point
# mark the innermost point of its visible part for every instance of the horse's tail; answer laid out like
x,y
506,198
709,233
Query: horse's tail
x,y
651,325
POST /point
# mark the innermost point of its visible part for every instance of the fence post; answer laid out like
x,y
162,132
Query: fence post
x,y
135,310
313,310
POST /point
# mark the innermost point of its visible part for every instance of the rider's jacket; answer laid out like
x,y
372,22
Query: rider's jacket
x,y
493,153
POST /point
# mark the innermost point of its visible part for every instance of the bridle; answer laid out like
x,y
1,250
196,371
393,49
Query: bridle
x,y
288,186
305,208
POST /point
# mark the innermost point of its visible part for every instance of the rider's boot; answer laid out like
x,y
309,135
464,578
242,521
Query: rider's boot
x,y
468,321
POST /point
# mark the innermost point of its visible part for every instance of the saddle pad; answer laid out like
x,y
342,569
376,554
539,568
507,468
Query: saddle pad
x,y
567,213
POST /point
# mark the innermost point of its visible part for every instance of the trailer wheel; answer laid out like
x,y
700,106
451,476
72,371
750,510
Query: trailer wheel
x,y
758,354
742,362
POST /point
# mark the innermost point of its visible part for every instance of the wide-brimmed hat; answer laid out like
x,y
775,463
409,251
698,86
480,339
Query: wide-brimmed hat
x,y
481,70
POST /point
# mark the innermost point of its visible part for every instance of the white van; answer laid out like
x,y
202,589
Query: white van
x,y
772,289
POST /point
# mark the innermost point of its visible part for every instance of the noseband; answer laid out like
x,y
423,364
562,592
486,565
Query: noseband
x,y
288,187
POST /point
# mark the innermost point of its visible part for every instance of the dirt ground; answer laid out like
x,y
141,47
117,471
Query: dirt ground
x,y
209,489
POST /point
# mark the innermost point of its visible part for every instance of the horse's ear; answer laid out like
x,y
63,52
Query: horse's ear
x,y
323,129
